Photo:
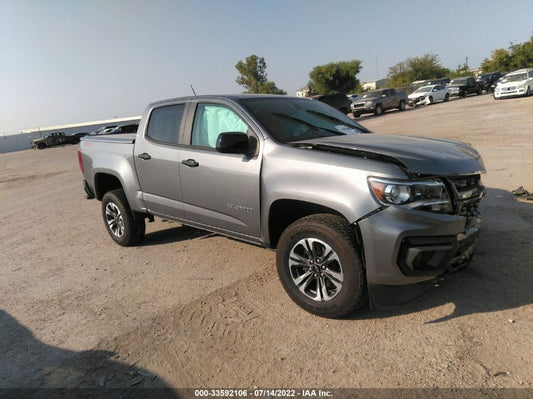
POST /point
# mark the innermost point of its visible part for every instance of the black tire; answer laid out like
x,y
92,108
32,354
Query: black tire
x,y
356,114
528,92
430,99
447,97
122,226
305,270
464,94
378,110
41,146
401,106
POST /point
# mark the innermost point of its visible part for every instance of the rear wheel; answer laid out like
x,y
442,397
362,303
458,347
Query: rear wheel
x,y
401,106
319,266
122,226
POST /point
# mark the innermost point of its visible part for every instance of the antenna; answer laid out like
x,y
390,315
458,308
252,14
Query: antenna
x,y
192,88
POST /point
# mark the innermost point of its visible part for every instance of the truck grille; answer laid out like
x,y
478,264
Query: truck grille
x,y
468,192
358,105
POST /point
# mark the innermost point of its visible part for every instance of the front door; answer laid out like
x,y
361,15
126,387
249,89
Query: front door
x,y
220,190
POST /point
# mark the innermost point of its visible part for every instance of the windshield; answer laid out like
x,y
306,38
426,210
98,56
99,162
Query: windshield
x,y
292,119
458,81
515,78
372,94
423,89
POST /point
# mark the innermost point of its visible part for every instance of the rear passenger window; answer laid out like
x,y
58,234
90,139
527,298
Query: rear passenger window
x,y
164,124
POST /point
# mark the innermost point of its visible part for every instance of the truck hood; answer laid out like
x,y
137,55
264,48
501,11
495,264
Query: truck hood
x,y
512,84
416,155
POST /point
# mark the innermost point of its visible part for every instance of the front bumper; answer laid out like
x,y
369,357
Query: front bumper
x,y
363,108
417,101
406,250
510,91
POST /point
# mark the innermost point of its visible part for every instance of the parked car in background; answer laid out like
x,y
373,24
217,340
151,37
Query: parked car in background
x,y
75,138
464,86
379,101
493,86
440,81
103,130
353,97
50,140
486,80
336,100
57,138
515,84
428,95
125,128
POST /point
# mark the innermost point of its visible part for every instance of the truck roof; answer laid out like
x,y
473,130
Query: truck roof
x,y
233,97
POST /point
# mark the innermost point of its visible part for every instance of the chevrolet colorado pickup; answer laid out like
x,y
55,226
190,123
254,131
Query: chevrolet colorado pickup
x,y
353,215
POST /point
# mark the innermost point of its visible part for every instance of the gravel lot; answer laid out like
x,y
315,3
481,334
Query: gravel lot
x,y
193,309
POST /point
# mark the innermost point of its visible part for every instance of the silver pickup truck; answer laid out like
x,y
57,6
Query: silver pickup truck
x,y
353,215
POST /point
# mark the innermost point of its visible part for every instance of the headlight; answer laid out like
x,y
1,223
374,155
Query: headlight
x,y
369,103
423,195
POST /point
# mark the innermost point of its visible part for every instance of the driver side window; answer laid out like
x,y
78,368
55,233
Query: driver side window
x,y
211,120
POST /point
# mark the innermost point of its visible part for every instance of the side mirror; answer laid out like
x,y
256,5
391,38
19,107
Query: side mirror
x,y
234,143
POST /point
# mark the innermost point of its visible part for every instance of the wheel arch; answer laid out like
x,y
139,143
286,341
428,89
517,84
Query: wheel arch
x,y
284,212
104,182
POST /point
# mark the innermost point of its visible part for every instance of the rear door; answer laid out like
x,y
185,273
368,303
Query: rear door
x,y
157,160
220,191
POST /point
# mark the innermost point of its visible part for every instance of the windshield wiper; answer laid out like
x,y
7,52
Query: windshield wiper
x,y
357,127
292,118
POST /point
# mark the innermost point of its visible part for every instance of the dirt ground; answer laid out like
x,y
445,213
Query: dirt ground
x,y
193,309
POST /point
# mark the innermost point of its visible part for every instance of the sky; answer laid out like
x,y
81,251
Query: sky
x,y
72,61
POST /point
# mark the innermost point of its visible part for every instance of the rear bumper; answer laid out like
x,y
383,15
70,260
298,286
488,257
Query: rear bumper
x,y
405,251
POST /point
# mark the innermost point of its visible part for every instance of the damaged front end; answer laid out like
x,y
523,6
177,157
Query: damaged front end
x,y
407,246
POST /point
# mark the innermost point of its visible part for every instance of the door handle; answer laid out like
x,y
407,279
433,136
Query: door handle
x,y
145,156
191,163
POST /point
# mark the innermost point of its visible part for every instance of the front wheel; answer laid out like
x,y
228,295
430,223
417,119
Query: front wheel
x,y
528,92
41,146
430,100
446,97
319,266
378,110
122,226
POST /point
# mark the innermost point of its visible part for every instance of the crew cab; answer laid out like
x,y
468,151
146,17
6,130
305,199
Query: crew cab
x,y
353,215
379,101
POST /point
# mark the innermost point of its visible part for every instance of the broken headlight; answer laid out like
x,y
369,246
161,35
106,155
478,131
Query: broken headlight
x,y
423,195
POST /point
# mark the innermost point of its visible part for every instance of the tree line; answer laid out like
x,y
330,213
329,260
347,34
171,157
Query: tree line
x,y
340,77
